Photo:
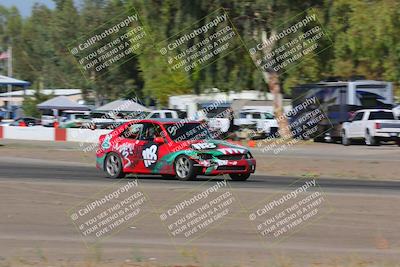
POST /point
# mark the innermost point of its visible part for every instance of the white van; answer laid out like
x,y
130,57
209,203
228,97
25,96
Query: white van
x,y
73,119
166,114
259,120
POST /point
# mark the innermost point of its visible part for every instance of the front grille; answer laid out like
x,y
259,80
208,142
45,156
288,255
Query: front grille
x,y
231,168
231,157
205,156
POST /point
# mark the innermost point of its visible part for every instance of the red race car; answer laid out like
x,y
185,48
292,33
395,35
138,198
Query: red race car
x,y
172,148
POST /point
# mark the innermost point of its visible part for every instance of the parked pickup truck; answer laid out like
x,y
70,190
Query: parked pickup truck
x,y
373,126
264,123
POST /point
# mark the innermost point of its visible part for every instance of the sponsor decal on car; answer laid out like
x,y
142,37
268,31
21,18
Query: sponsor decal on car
x,y
126,150
106,143
201,146
232,150
221,162
150,155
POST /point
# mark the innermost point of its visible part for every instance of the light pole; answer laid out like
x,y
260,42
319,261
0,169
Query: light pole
x,y
10,73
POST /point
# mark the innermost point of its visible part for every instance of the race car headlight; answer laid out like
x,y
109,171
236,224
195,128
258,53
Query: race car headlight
x,y
248,155
204,156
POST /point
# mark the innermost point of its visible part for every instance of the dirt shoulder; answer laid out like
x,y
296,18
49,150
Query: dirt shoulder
x,y
37,231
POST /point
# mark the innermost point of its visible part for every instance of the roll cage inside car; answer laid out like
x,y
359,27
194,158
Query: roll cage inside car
x,y
150,129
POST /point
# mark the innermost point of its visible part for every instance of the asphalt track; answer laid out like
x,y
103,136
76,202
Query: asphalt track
x,y
76,172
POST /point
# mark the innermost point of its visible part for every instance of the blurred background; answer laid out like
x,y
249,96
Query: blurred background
x,y
361,45
365,37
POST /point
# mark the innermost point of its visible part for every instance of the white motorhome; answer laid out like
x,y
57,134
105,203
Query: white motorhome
x,y
339,100
192,103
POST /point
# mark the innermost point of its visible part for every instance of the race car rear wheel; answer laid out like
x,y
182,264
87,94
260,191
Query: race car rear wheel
x,y
113,166
239,176
184,168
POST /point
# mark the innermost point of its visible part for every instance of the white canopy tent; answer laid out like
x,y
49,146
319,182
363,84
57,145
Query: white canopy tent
x,y
9,82
122,105
62,103
4,80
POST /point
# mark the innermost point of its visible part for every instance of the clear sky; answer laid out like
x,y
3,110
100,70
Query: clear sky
x,y
25,6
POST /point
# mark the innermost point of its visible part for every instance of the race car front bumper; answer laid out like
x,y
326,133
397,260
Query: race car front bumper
x,y
219,167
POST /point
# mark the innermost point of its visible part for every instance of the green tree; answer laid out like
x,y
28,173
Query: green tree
x,y
366,39
29,105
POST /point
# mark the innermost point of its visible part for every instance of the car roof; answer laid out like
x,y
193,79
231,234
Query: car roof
x,y
254,111
167,120
161,110
374,110
74,111
30,118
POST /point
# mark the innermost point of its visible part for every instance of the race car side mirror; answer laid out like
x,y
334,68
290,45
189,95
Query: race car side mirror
x,y
159,140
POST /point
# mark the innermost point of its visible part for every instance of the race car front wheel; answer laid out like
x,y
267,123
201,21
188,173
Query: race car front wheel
x,y
113,166
239,176
184,168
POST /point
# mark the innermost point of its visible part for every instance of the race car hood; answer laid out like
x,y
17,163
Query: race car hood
x,y
208,145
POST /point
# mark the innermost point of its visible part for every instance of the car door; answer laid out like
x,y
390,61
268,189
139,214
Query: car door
x,y
349,125
359,126
355,128
128,146
152,149
256,117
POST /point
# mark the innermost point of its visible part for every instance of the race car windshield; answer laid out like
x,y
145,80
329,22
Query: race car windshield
x,y
187,131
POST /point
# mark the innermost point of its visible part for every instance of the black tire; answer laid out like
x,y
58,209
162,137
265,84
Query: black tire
x,y
319,139
345,140
398,142
184,168
113,166
239,176
370,140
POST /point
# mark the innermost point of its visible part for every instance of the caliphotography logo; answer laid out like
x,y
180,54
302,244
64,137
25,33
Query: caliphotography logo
x,y
109,45
285,47
197,46
195,213
108,212
284,214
